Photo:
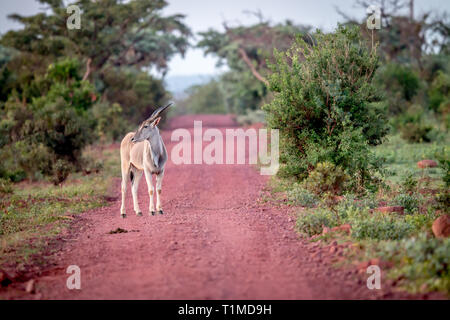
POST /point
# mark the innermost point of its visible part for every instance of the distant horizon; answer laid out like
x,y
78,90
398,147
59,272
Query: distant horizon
x,y
202,15
177,84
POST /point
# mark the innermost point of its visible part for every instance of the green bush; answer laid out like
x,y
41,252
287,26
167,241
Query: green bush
x,y
206,98
35,159
416,132
365,223
423,260
409,183
380,227
409,201
322,105
251,117
352,201
111,125
40,136
136,92
443,201
5,186
439,92
400,84
61,170
421,221
444,164
301,196
62,129
311,222
326,178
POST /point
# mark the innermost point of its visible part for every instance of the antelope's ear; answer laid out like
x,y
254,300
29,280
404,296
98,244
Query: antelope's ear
x,y
155,122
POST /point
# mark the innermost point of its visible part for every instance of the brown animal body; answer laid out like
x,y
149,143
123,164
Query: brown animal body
x,y
143,152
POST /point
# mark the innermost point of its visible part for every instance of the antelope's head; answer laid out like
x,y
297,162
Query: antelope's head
x,y
148,129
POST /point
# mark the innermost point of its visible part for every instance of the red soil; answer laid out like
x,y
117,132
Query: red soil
x,y
216,240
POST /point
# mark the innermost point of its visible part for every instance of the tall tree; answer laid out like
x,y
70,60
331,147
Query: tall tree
x,y
113,33
246,51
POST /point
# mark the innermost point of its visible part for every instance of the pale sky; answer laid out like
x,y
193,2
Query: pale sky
x,y
204,14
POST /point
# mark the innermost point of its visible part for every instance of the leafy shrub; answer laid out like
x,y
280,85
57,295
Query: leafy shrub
x,y
61,170
352,201
433,64
421,259
62,129
311,222
110,123
322,105
443,201
326,178
416,132
409,201
301,196
5,186
439,92
206,98
444,163
137,92
90,165
252,116
409,183
378,226
399,84
368,224
35,159
54,125
365,223
421,221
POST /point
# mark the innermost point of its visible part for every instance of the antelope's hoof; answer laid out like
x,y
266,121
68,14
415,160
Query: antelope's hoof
x,y
161,212
139,214
152,213
123,215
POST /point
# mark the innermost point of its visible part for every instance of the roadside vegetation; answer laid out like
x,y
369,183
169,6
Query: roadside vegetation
x,y
363,116
64,96
365,151
33,214
403,243
63,90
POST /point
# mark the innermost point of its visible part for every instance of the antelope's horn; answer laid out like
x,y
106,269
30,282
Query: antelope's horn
x,y
156,113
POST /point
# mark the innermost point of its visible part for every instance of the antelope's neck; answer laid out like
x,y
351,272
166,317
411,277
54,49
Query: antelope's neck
x,y
155,147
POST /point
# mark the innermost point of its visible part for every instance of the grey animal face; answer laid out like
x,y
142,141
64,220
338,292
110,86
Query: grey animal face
x,y
147,130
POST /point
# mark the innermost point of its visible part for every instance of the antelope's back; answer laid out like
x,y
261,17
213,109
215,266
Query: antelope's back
x,y
125,147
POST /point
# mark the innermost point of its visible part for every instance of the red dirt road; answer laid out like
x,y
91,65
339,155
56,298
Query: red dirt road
x,y
216,240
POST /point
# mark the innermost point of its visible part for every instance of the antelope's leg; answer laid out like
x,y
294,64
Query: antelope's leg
x,y
159,179
125,177
137,175
148,178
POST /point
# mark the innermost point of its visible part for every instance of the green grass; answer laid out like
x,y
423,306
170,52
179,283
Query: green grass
x,y
36,212
419,261
402,157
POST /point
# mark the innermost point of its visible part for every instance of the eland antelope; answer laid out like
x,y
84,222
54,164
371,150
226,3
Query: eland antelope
x,y
143,151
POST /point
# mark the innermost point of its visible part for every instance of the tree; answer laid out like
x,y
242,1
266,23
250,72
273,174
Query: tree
x,y
245,50
113,33
118,41
404,36
324,105
206,98
61,87
46,136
